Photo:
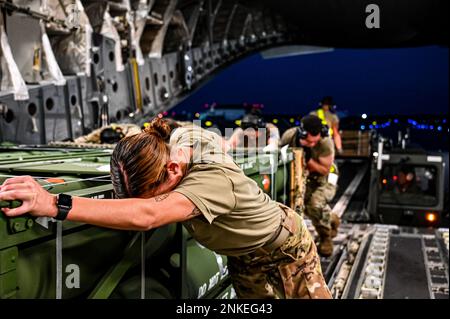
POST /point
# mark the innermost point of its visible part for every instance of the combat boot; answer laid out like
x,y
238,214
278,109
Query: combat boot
x,y
325,247
335,221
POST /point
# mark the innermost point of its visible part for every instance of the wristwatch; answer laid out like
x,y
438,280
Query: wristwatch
x,y
64,204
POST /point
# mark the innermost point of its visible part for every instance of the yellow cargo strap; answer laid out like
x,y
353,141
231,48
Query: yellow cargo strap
x,y
37,56
137,84
321,115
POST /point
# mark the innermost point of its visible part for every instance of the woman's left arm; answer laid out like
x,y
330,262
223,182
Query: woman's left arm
x,y
126,214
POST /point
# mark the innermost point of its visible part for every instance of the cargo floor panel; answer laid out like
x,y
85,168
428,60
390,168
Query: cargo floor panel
x,y
388,262
406,276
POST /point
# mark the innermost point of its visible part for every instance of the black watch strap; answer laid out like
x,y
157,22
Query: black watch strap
x,y
64,204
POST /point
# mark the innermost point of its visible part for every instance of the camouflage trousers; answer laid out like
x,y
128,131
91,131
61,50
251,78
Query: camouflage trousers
x,y
318,195
291,271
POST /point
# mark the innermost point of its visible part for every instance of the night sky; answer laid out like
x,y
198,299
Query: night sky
x,y
372,81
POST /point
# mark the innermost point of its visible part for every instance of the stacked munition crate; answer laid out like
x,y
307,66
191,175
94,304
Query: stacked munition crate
x,y
44,258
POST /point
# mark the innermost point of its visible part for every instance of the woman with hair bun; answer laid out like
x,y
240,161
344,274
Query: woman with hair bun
x,y
162,177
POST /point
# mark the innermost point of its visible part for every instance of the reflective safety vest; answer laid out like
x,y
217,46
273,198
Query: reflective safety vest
x,y
321,115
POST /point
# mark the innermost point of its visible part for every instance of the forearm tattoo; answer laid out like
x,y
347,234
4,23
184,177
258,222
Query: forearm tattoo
x,y
162,197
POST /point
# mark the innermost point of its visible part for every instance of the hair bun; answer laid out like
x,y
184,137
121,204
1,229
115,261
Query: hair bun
x,y
159,128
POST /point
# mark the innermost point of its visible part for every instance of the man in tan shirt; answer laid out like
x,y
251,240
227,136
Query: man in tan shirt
x,y
321,182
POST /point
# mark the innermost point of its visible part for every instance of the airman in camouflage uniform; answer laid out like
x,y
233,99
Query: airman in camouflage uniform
x,y
270,251
319,191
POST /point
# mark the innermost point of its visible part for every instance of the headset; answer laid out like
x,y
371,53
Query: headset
x,y
111,135
252,121
302,133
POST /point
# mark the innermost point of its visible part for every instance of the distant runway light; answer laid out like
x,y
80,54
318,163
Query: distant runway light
x,y
364,116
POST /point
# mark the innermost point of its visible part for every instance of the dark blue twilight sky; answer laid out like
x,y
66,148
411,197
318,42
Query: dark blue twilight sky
x,y
372,81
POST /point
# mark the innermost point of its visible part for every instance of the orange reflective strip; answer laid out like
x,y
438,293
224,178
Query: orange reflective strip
x,y
55,180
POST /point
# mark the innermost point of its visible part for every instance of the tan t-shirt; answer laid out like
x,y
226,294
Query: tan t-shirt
x,y
288,137
324,148
237,216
